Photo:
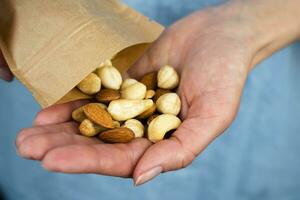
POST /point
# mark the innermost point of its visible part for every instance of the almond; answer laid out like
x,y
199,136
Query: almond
x,y
148,112
159,92
98,115
107,95
117,135
150,80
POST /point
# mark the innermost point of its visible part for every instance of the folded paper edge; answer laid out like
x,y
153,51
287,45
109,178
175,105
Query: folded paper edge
x,y
45,102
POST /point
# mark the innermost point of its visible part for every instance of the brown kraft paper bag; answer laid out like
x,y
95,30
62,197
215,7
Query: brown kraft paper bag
x,y
50,46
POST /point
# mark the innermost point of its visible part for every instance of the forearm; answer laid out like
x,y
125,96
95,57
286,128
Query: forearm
x,y
275,23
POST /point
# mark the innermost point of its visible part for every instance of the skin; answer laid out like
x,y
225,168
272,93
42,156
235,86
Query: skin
x,y
213,50
5,73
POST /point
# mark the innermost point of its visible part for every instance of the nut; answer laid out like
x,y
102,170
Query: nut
x,y
103,106
116,124
167,78
136,126
149,94
148,112
90,85
159,93
152,117
107,95
124,109
78,115
110,77
169,104
98,115
132,89
106,63
150,80
117,135
128,82
159,126
89,129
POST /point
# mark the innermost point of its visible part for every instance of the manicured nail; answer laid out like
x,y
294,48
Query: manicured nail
x,y
148,175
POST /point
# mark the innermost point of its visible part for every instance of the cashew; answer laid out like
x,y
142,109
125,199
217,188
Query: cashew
x,y
124,109
116,124
90,85
110,77
169,104
132,89
167,78
136,126
159,126
148,112
78,115
89,129
149,94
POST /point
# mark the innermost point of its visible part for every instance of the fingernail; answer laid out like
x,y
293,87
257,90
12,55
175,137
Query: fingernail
x,y
147,176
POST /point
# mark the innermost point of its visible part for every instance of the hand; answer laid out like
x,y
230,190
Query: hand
x,y
213,50
213,63
5,73
56,142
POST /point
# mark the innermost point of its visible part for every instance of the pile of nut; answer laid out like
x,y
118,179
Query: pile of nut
x,y
129,109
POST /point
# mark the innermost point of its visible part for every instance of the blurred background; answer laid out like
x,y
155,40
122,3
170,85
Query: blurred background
x,y
257,158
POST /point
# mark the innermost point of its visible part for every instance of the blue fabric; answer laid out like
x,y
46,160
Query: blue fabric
x,y
257,158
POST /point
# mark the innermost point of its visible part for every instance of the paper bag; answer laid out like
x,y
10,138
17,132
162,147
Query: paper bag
x,y
50,46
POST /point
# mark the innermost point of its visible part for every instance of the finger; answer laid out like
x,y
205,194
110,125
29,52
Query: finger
x,y
5,73
36,146
143,66
208,116
174,153
106,159
69,127
57,113
190,139
154,57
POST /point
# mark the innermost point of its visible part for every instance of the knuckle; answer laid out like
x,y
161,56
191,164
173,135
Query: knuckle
x,y
34,147
22,135
185,156
39,118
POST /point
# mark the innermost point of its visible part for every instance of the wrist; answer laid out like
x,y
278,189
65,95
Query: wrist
x,y
272,24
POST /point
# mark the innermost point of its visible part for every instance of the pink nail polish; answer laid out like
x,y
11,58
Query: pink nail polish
x,y
148,175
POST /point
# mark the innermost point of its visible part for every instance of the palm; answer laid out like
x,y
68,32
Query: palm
x,y
213,68
60,147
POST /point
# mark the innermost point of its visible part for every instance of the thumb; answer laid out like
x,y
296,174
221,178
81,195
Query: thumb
x,y
142,66
189,140
154,57
5,73
192,137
